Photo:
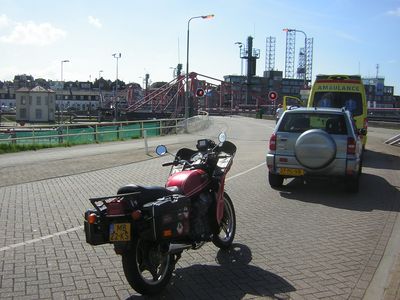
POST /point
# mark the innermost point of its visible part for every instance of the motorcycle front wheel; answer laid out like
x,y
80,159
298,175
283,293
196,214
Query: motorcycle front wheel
x,y
225,232
146,268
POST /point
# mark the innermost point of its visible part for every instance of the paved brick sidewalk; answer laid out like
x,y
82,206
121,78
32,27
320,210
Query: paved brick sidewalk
x,y
393,290
303,242
65,166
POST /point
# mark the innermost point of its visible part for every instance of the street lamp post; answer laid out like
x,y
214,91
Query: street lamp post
x,y
99,102
117,56
62,94
187,65
305,52
240,55
90,97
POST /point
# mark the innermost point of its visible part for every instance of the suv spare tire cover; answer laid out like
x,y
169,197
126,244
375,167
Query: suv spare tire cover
x,y
315,149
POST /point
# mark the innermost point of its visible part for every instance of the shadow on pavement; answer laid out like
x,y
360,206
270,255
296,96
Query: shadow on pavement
x,y
378,160
375,193
234,278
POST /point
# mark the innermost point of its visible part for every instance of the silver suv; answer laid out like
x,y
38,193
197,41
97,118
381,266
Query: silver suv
x,y
315,142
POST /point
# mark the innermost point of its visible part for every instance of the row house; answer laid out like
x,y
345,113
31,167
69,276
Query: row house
x,y
35,105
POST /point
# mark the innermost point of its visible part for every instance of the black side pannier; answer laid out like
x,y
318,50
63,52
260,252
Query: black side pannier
x,y
169,218
96,234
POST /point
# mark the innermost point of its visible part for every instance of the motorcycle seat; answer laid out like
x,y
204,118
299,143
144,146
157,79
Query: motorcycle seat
x,y
148,193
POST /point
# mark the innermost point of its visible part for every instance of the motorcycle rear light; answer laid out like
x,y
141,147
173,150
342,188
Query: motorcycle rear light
x,y
167,233
272,142
136,215
116,207
92,218
351,145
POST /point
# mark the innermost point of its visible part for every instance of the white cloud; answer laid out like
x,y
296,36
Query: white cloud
x,y
395,12
95,22
4,21
31,33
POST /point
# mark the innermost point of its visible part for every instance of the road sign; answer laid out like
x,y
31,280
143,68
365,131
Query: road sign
x,y
200,92
272,95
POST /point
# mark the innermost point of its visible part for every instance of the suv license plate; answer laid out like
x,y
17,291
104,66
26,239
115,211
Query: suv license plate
x,y
120,232
291,172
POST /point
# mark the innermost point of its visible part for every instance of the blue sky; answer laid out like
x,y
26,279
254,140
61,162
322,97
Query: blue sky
x,y
350,37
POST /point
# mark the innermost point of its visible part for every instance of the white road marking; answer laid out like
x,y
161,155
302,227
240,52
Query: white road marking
x,y
40,238
245,172
50,236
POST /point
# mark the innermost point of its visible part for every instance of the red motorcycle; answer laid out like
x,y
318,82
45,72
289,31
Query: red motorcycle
x,y
151,226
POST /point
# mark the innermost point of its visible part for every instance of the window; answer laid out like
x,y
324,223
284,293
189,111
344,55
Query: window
x,y
38,113
23,100
38,100
22,113
352,101
46,99
331,123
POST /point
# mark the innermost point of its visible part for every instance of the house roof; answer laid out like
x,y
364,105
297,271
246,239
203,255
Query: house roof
x,y
36,89
23,89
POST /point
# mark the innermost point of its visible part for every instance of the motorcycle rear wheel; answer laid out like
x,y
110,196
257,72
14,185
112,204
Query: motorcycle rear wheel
x,y
224,233
146,268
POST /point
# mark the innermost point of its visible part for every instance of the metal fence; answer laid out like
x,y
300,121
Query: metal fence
x,y
88,133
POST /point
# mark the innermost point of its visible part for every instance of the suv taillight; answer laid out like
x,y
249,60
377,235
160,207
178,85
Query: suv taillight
x,y
272,142
351,145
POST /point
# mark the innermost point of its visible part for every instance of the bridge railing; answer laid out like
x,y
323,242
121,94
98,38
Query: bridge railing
x,y
195,123
89,132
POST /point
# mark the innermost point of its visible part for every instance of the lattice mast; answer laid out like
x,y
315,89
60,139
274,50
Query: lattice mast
x,y
309,46
301,67
290,53
270,53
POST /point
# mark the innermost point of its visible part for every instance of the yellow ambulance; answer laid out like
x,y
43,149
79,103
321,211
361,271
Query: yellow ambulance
x,y
342,91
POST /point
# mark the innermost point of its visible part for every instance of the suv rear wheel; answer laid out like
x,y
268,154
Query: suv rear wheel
x,y
275,180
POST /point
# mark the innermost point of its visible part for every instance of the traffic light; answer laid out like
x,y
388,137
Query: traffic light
x,y
200,92
272,95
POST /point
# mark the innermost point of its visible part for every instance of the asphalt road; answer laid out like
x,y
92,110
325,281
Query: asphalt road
x,y
304,241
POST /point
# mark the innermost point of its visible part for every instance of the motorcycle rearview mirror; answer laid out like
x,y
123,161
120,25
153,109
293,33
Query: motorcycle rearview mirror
x,y
161,150
222,137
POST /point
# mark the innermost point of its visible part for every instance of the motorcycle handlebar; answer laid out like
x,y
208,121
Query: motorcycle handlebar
x,y
210,155
177,162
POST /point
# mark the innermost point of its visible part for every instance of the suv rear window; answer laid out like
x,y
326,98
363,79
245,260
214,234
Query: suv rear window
x,y
300,122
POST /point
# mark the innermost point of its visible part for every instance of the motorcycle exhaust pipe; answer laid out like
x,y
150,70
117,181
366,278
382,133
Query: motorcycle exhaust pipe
x,y
177,248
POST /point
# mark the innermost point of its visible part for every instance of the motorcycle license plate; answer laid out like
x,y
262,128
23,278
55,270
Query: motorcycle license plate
x,y
291,172
120,232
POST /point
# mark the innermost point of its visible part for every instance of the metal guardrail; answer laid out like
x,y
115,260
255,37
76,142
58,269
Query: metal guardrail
x,y
100,132
88,132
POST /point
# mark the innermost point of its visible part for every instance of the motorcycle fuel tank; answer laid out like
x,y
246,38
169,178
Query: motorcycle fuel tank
x,y
189,182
